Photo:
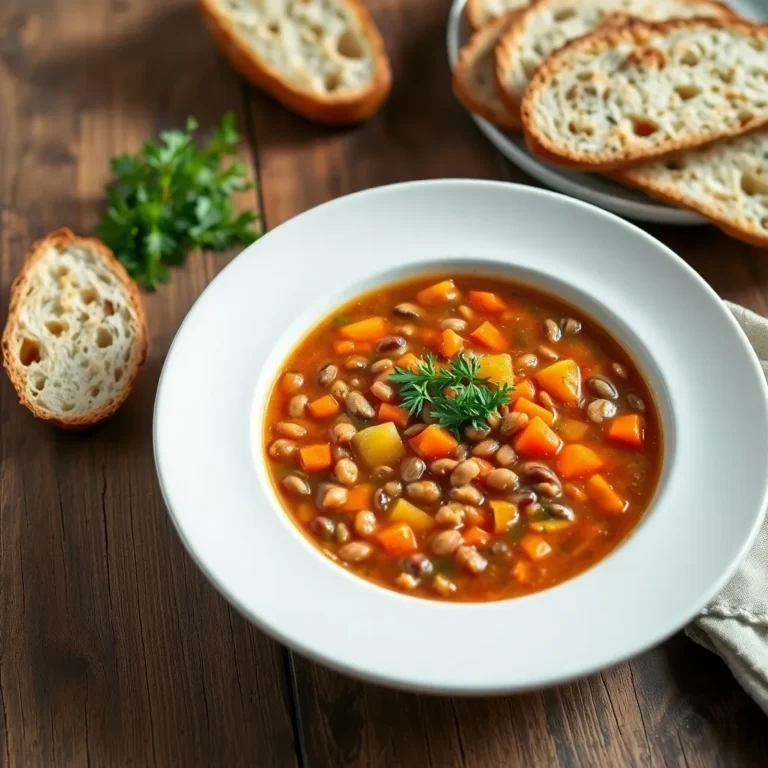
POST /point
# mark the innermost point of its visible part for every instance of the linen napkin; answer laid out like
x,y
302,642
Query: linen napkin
x,y
735,624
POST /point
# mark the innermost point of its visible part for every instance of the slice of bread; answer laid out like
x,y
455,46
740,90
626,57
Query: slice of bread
x,y
549,24
324,59
631,93
482,12
474,83
727,182
76,334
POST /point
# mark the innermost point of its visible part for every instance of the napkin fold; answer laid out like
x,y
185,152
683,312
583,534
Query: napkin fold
x,y
735,624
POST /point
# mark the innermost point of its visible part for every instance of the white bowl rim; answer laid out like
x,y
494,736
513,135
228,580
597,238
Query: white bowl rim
x,y
638,617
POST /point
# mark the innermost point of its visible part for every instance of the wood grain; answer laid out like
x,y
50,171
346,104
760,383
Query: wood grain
x,y
113,648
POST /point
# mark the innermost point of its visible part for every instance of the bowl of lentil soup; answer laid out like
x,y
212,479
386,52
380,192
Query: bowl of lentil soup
x,y
444,408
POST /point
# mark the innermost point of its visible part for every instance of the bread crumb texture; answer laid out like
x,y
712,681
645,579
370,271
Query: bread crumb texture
x,y
72,338
316,45
641,91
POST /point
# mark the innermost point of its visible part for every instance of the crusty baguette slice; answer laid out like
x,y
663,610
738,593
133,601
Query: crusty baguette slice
x,y
76,334
727,182
548,25
482,12
627,94
474,83
324,59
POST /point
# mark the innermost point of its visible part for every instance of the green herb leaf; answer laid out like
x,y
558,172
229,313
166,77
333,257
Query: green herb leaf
x,y
456,394
173,197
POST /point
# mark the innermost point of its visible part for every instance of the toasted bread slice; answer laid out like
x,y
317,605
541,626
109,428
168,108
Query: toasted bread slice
x,y
727,182
324,59
474,83
76,334
482,12
623,95
547,25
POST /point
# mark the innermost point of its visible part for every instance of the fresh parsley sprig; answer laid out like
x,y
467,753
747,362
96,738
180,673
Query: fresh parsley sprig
x,y
456,394
172,197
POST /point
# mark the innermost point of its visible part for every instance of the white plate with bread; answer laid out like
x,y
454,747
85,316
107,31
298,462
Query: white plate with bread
x,y
672,90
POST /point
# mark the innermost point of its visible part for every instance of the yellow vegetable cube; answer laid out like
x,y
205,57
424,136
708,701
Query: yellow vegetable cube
x,y
405,512
380,444
497,368
562,380
504,515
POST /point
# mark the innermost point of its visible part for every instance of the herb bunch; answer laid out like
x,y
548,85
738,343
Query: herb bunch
x,y
172,197
457,396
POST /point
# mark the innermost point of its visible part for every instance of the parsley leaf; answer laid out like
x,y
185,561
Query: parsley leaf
x,y
456,394
172,197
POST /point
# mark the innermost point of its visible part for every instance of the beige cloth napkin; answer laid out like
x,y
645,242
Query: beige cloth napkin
x,y
735,625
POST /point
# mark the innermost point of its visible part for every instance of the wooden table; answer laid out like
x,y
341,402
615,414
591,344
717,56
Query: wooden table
x,y
114,650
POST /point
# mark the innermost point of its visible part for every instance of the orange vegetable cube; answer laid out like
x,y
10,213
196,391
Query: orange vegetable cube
x,y
324,407
489,336
389,412
524,405
316,458
504,515
476,537
433,443
359,497
577,461
535,546
440,293
627,429
537,440
572,430
523,388
562,380
484,301
397,539
600,491
409,361
344,347
485,467
370,329
450,343
523,572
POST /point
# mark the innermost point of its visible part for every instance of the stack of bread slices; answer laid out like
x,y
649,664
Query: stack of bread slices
x,y
667,96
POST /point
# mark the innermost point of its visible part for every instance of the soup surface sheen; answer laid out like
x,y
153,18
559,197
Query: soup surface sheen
x,y
555,479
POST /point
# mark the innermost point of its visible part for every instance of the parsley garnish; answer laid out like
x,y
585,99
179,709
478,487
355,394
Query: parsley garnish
x,y
456,395
172,197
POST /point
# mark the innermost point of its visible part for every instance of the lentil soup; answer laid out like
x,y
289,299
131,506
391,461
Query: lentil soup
x,y
462,438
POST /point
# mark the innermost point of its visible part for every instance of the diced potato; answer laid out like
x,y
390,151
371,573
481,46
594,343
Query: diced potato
x,y
550,526
497,368
562,380
572,430
405,512
380,444
504,515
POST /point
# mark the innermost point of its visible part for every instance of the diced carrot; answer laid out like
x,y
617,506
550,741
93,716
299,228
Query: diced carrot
x,y
370,329
483,301
538,440
450,343
316,458
562,380
600,491
440,293
535,546
627,429
397,539
572,430
523,388
524,405
409,361
523,572
490,336
324,407
433,443
344,347
389,412
359,497
577,461
485,467
476,537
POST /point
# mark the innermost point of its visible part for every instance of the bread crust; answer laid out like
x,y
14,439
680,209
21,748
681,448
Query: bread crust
x,y
328,110
635,31
477,17
495,114
78,420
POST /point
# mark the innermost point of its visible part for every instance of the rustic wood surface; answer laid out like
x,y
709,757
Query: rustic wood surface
x,y
114,650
